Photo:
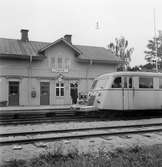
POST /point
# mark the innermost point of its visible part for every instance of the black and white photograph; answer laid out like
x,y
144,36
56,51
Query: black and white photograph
x,y
80,83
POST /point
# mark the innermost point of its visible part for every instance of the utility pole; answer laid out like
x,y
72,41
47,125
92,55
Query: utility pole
x,y
156,42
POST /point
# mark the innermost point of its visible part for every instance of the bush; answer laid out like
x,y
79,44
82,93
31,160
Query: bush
x,y
132,157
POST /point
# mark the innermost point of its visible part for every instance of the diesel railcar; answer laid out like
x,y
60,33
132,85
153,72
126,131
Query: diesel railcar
x,y
127,91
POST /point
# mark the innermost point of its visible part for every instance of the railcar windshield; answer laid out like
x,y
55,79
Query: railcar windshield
x,y
99,84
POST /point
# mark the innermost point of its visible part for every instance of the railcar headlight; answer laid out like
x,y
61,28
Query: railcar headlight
x,y
98,101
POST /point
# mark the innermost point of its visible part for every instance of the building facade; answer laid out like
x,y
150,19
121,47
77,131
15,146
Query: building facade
x,y
39,73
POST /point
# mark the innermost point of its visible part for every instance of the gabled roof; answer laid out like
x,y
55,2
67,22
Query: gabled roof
x,y
20,49
99,54
57,41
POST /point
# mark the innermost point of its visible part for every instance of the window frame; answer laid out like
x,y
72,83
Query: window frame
x,y
53,63
121,82
160,85
66,63
60,86
146,78
60,63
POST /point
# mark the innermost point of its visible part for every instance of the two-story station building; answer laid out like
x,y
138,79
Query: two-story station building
x,y
40,73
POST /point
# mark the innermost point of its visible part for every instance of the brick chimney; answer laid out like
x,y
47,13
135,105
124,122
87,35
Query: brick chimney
x,y
67,37
24,35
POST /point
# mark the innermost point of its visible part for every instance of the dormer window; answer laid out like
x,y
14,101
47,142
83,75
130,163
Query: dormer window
x,y
60,64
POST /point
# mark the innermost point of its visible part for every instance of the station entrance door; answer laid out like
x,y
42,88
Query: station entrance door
x,y
44,93
13,98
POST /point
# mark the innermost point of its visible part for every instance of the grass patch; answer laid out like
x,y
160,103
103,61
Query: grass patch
x,y
132,157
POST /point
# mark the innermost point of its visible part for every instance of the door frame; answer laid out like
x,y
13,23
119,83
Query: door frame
x,y
127,93
18,101
48,83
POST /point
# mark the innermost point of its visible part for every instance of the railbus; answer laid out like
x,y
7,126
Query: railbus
x,y
127,91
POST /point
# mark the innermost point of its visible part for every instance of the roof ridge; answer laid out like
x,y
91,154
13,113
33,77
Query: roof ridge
x,y
22,41
91,46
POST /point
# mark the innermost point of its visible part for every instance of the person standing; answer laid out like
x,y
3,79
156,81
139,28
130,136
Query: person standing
x,y
74,93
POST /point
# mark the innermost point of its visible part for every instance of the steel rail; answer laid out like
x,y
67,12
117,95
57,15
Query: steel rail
x,y
76,136
58,119
77,129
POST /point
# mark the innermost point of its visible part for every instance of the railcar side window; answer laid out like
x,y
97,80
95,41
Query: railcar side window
x,y
117,83
125,82
145,82
160,83
130,82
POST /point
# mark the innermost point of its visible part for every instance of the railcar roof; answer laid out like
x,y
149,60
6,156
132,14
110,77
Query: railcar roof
x,y
130,73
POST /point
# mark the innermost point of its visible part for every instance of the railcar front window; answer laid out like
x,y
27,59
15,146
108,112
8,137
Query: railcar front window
x,y
145,82
99,84
117,83
160,83
94,84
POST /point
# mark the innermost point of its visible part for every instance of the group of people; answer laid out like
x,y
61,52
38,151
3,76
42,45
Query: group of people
x,y
74,94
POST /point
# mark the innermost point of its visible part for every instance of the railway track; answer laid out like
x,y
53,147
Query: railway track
x,y
44,117
36,118
53,135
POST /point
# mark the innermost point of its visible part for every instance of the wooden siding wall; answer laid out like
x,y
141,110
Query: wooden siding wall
x,y
30,76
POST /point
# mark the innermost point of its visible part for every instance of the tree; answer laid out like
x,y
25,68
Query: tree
x,y
154,51
120,49
135,68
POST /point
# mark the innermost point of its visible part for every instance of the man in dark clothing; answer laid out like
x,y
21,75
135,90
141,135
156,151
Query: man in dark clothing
x,y
74,94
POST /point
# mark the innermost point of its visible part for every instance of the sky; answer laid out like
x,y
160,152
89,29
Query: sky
x,y
48,20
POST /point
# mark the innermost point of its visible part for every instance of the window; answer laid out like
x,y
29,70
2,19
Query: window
x,y
160,83
67,63
130,82
59,89
94,84
99,84
13,87
117,83
60,65
53,62
125,82
145,82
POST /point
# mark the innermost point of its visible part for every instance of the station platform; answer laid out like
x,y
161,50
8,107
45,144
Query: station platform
x,y
12,113
18,109
36,112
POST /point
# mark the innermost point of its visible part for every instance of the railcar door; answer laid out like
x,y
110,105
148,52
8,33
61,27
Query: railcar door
x,y
13,93
116,94
44,93
127,93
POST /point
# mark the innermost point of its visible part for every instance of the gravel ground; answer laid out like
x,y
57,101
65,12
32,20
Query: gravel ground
x,y
68,125
82,145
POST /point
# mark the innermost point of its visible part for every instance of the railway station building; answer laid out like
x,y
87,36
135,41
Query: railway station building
x,y
39,73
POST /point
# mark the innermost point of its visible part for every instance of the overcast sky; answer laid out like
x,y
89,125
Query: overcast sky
x,y
48,20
